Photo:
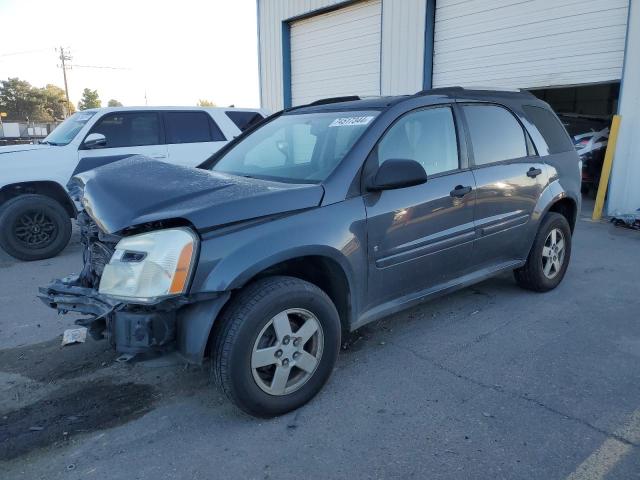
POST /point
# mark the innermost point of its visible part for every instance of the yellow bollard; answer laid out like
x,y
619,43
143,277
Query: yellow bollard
x,y
606,168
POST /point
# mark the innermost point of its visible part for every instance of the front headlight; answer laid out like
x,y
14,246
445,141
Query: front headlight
x,y
151,265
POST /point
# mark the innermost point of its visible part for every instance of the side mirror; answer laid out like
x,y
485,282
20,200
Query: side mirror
x,y
95,140
398,173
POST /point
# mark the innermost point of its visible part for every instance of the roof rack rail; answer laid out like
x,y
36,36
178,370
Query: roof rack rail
x,y
473,88
439,89
325,101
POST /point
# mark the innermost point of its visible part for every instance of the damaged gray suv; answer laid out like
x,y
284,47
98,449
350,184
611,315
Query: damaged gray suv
x,y
315,222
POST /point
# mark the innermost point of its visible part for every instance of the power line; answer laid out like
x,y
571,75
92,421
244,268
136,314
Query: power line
x,y
97,66
25,52
65,57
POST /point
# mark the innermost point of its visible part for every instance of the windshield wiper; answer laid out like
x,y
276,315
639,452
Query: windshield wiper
x,y
47,142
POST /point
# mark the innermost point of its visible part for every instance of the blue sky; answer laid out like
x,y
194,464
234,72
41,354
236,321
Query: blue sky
x,y
175,51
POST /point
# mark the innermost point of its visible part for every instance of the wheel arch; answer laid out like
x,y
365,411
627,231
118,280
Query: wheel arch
x,y
565,206
324,266
47,188
316,266
324,272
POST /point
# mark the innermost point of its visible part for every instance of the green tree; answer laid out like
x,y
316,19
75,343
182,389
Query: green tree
x,y
206,103
114,103
19,99
90,99
22,101
54,103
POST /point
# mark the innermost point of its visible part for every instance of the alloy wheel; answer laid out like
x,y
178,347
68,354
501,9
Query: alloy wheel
x,y
34,229
287,351
553,253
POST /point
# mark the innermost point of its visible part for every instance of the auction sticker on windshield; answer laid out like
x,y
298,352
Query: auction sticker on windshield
x,y
350,121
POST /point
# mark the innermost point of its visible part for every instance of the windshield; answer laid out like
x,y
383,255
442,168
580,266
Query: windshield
x,y
302,148
67,130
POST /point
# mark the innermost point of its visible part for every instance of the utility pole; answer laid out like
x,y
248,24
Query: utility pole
x,y
64,56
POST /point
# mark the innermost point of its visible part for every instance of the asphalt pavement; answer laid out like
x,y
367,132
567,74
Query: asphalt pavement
x,y
489,382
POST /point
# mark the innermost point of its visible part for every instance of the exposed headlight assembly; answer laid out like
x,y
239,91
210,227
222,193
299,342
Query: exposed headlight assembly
x,y
151,265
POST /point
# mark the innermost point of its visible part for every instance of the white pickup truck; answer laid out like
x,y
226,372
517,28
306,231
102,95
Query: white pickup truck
x,y
35,206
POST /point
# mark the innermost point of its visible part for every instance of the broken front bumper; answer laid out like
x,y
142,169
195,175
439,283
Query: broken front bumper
x,y
175,323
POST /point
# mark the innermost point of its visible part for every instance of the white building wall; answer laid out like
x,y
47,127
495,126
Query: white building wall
x,y
624,191
336,53
526,44
403,25
270,16
402,49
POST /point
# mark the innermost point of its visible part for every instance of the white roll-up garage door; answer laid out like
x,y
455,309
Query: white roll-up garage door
x,y
536,43
336,53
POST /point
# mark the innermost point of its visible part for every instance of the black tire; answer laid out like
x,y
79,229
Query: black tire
x,y
50,220
532,276
237,332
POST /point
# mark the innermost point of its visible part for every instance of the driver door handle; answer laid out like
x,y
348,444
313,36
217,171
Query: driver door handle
x,y
460,191
533,172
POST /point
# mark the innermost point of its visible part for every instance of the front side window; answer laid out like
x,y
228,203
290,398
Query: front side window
x,y
426,136
67,130
304,147
191,127
495,134
129,129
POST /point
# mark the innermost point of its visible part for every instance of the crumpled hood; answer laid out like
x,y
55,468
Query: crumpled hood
x,y
138,190
23,148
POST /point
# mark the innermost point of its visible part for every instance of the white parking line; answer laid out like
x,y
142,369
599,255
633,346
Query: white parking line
x,y
612,450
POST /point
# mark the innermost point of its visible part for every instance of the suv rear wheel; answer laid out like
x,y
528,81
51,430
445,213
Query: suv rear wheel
x,y
549,257
276,345
34,227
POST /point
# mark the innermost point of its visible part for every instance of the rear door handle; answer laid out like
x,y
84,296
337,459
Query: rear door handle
x,y
460,191
534,172
159,156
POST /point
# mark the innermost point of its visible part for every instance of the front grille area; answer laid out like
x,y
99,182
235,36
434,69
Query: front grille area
x,y
98,249
100,256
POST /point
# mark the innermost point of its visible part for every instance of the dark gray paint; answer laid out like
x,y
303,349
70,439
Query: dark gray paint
x,y
88,163
396,247
139,190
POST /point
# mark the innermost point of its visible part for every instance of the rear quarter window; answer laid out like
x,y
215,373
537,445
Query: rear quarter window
x,y
244,120
550,128
191,127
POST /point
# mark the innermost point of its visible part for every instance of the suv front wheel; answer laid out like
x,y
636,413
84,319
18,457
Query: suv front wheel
x,y
549,256
34,227
276,345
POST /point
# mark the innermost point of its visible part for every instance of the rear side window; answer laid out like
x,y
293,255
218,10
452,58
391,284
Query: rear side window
x,y
130,129
495,134
191,127
550,128
243,120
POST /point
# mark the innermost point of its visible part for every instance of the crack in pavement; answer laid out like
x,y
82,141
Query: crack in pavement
x,y
512,394
479,338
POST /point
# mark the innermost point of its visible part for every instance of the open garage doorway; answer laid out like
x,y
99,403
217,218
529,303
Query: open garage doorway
x,y
586,112
596,100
